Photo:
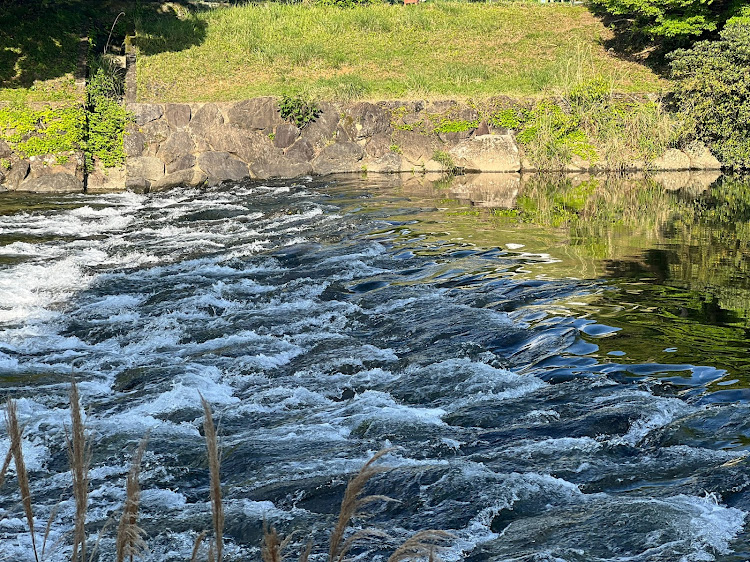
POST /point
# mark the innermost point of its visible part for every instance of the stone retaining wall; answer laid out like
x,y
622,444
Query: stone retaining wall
x,y
196,144
193,144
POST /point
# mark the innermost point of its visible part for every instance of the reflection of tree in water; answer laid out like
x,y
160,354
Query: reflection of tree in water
x,y
39,39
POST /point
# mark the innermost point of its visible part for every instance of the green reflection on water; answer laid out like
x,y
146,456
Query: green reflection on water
x,y
675,248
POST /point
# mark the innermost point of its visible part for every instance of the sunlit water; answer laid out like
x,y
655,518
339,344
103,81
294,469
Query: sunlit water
x,y
562,375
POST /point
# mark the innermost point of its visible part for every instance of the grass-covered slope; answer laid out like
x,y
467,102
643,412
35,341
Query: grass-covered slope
x,y
379,51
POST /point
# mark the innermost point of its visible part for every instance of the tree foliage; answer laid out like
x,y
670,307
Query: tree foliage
x,y
712,86
676,22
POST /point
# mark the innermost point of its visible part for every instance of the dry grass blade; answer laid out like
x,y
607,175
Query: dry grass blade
x,y
6,464
79,454
129,535
14,432
352,504
197,545
214,468
52,515
421,545
271,549
305,555
362,534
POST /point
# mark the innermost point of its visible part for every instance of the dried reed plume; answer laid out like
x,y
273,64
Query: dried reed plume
x,y
213,464
421,545
197,545
352,505
6,464
129,535
14,432
79,455
272,544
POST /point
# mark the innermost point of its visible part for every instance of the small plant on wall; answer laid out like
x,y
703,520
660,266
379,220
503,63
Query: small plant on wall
x,y
298,110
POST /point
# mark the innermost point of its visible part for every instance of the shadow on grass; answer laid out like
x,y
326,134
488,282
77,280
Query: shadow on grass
x,y
40,39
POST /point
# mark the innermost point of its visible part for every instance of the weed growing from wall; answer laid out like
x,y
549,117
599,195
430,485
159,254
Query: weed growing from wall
x,y
107,117
298,110
47,130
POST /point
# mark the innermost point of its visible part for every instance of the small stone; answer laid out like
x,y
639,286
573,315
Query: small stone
x,y
701,157
177,114
482,129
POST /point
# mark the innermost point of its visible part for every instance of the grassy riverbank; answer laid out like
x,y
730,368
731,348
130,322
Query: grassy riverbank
x,y
378,51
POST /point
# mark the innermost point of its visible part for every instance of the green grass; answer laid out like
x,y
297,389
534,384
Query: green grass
x,y
433,50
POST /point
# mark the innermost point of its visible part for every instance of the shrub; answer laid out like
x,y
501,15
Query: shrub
x,y
107,117
299,110
712,87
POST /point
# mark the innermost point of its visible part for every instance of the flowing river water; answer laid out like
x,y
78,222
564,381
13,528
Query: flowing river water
x,y
560,367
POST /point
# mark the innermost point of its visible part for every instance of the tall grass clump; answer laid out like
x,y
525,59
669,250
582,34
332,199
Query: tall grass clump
x,y
129,535
15,433
79,455
214,466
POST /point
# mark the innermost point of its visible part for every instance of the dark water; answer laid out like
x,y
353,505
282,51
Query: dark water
x,y
560,366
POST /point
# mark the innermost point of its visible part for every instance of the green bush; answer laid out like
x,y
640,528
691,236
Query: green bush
x,y
712,87
299,110
107,117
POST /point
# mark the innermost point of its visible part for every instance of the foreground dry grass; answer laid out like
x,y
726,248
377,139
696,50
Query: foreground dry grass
x,y
380,51
130,542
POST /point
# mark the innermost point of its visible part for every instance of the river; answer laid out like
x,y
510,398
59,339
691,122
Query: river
x,y
560,366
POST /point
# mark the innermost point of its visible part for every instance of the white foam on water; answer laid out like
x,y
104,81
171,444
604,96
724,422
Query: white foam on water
x,y
657,413
555,446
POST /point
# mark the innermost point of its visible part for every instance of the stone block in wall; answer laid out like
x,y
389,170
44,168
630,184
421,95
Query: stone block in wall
x,y
5,150
285,135
155,132
416,148
672,159
280,166
148,167
179,144
55,183
378,145
48,164
321,131
17,173
388,163
192,177
102,180
177,115
221,166
184,162
301,150
137,184
247,145
206,117
145,112
487,153
366,119
338,158
133,142
255,114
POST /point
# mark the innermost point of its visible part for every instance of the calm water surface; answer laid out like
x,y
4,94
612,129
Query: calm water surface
x,y
561,365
